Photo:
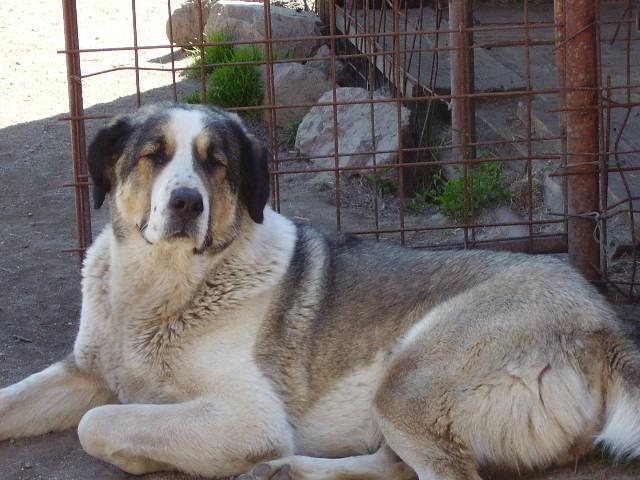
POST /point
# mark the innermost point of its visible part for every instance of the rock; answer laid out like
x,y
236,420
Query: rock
x,y
502,214
295,83
246,21
185,21
316,134
323,63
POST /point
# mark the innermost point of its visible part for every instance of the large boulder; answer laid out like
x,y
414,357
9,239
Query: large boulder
x,y
322,61
316,133
295,83
245,20
185,21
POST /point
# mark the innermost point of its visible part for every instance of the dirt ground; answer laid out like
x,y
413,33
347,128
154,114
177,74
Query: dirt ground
x,y
39,283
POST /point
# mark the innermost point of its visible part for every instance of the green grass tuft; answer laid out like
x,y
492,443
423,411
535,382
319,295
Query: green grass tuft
x,y
213,55
238,85
193,98
291,129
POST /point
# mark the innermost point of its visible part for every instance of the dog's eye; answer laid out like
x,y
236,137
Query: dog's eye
x,y
155,153
214,163
156,157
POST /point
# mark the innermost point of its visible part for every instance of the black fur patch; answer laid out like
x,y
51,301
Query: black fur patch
x,y
254,177
104,151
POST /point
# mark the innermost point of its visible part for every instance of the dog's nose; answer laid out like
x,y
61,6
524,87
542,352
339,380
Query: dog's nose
x,y
186,203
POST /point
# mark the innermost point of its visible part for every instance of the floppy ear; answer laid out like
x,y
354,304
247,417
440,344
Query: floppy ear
x,y
104,151
254,183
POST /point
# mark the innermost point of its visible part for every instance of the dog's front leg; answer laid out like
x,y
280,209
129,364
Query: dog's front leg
x,y
209,437
54,399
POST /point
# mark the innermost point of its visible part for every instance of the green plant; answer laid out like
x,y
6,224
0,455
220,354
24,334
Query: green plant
x,y
385,185
291,129
238,85
429,196
193,98
485,186
385,181
213,54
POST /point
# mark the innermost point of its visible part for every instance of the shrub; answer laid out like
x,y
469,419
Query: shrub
x,y
193,98
386,181
238,85
214,54
485,185
429,196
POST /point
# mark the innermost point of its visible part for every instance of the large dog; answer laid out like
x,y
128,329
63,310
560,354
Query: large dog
x,y
217,337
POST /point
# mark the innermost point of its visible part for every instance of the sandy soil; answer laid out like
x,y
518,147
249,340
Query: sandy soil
x,y
39,283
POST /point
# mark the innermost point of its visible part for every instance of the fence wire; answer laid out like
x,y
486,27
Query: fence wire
x,y
508,127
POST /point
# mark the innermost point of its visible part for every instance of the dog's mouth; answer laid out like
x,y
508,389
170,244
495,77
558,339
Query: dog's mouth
x,y
182,231
181,234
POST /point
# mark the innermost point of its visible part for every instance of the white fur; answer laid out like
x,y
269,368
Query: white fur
x,y
621,432
420,328
179,172
381,465
219,406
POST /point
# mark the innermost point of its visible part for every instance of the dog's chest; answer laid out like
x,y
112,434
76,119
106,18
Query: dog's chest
x,y
177,358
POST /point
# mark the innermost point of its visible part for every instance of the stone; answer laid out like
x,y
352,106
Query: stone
x,y
316,133
322,62
185,21
245,20
501,214
295,83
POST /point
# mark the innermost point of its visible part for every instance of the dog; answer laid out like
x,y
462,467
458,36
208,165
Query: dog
x,y
219,338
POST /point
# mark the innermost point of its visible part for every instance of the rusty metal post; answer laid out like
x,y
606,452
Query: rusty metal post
x,y
78,137
463,124
581,96
561,68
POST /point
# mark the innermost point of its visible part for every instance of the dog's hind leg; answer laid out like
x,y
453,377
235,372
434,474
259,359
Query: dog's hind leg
x,y
54,399
432,457
381,465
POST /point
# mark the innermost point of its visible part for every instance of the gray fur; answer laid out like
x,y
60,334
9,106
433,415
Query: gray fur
x,y
253,339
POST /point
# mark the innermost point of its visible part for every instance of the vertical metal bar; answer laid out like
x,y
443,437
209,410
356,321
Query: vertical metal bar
x,y
561,65
78,137
271,100
174,87
368,48
400,93
604,183
462,84
582,135
529,122
336,146
136,58
201,39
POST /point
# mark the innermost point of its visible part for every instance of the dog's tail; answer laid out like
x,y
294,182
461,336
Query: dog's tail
x,y
621,431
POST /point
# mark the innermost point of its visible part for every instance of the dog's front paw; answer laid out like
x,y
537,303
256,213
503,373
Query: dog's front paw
x,y
269,471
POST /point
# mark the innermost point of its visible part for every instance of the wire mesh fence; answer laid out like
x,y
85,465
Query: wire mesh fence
x,y
430,123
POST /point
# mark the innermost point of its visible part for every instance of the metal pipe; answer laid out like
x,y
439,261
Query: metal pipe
x,y
463,126
580,54
78,136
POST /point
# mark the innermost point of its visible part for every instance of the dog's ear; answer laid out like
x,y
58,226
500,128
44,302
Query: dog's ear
x,y
104,151
254,183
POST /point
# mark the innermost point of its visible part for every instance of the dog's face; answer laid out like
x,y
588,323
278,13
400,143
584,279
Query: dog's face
x,y
180,173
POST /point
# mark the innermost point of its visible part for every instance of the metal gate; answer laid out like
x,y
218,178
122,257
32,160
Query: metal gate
x,y
544,97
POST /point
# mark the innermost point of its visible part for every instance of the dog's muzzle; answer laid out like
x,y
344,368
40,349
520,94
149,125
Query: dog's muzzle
x,y
185,207
186,204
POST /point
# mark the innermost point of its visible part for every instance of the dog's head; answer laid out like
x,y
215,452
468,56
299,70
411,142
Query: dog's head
x,y
179,173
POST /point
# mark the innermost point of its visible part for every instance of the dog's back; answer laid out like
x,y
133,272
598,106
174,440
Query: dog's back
x,y
514,359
